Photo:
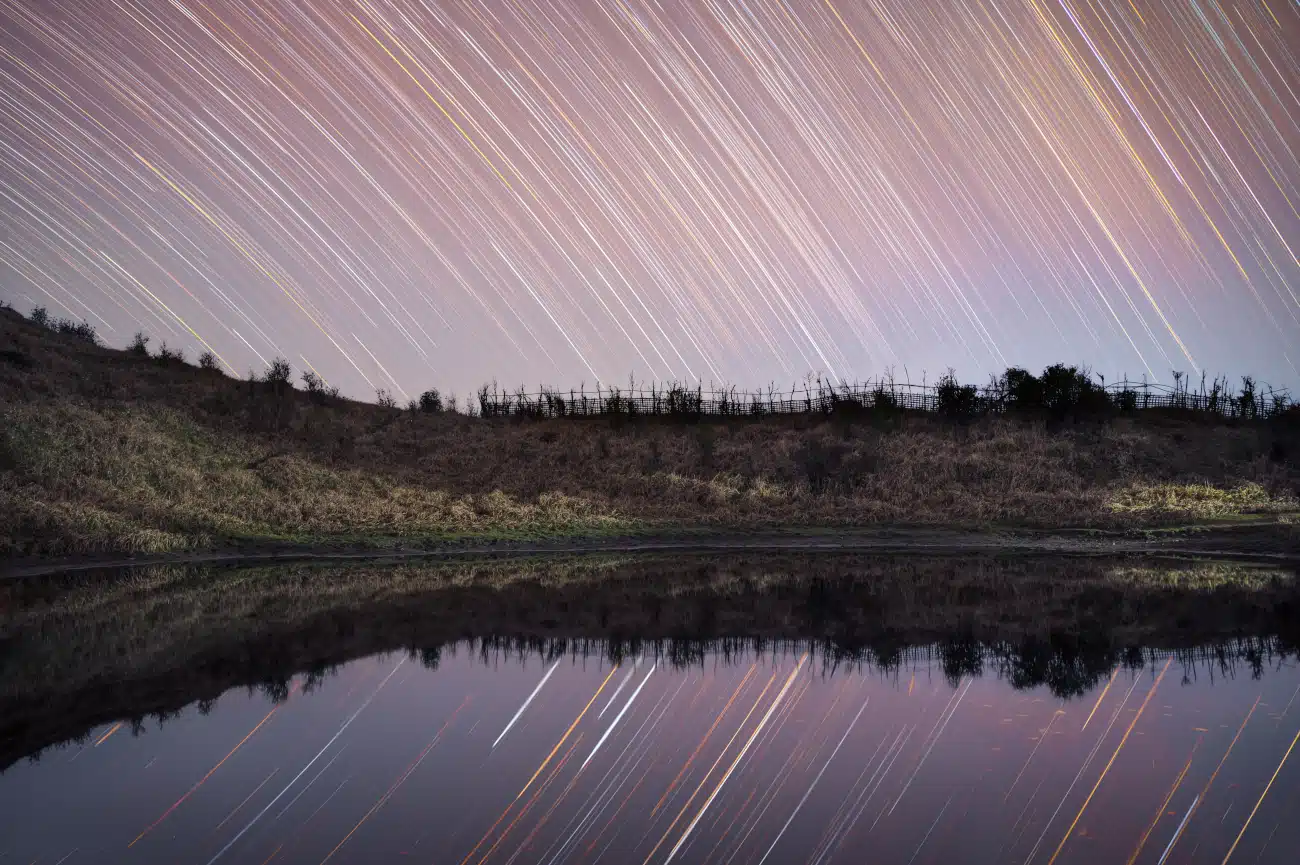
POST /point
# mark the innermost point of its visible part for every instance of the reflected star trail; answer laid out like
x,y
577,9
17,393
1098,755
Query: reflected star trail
x,y
402,193
738,758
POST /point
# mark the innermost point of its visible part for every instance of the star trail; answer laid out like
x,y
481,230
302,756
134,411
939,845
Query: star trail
x,y
398,194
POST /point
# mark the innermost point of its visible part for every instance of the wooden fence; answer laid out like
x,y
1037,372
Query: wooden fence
x,y
821,397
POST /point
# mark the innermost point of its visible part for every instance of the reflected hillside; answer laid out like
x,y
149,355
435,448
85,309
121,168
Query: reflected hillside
x,y
79,651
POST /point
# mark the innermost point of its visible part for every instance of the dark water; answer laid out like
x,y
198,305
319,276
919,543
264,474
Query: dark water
x,y
747,709
758,757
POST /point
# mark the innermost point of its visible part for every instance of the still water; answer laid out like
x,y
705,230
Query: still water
x,y
465,756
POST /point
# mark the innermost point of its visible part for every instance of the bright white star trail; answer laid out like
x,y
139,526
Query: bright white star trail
x,y
400,194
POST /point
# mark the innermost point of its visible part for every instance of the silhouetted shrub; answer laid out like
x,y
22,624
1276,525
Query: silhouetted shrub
x,y
883,400
139,345
279,373
1024,392
431,401
555,403
169,355
82,330
1068,390
682,404
1093,398
956,401
207,361
1061,391
845,407
317,390
615,404
1247,401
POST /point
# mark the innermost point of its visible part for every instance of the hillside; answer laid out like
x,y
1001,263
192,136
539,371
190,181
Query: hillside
x,y
108,451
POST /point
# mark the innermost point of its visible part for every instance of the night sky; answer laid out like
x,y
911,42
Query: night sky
x,y
408,193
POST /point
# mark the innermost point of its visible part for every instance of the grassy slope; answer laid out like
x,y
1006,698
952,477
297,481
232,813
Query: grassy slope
x,y
103,451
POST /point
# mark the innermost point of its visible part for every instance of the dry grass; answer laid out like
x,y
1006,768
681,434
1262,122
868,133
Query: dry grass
x,y
1203,501
1199,577
105,451
136,480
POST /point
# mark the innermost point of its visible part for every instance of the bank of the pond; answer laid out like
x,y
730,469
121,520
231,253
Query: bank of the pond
x,y
1259,540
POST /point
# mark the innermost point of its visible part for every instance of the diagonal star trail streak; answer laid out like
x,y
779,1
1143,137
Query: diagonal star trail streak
x,y
402,193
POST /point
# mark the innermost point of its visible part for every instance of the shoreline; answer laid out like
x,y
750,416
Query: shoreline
x,y
1257,541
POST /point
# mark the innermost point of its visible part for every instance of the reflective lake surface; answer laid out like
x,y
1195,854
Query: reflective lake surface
x,y
713,746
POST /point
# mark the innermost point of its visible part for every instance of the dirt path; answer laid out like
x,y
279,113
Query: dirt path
x,y
1250,542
